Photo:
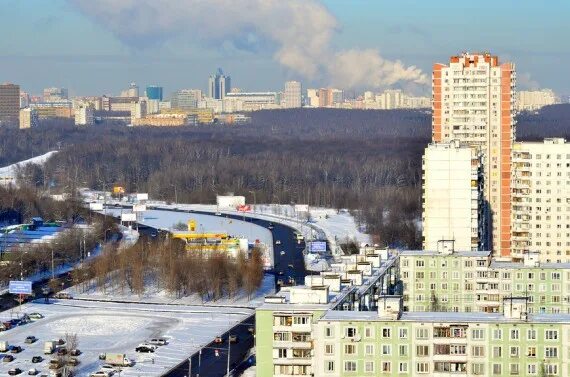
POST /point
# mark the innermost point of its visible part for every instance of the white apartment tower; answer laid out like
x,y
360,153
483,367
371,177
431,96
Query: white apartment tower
x,y
541,199
84,115
452,197
473,102
292,95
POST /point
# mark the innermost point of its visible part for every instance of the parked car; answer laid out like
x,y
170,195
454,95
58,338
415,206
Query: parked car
x,y
37,359
233,339
35,316
60,342
251,329
30,339
7,358
54,364
14,371
33,372
16,349
158,341
61,351
75,352
63,296
144,349
5,326
73,361
109,369
218,340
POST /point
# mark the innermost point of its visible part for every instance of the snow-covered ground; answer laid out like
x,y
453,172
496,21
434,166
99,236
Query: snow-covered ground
x,y
8,173
159,296
118,327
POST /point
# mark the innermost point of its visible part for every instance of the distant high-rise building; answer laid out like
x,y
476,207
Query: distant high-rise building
x,y
219,85
28,118
530,100
186,99
132,91
24,100
473,102
312,97
452,189
292,95
84,116
55,94
9,103
154,92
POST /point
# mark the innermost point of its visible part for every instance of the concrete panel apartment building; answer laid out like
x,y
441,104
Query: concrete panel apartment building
x,y
332,327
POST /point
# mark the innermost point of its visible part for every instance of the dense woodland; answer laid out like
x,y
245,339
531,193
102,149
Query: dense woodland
x,y
366,161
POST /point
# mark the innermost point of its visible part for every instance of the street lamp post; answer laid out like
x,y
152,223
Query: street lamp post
x,y
254,200
229,349
175,193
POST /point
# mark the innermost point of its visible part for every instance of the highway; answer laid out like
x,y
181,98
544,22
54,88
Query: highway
x,y
288,268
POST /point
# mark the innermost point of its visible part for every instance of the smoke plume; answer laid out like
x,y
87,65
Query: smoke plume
x,y
298,32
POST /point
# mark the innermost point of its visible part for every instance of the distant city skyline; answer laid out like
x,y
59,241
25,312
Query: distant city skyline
x,y
92,49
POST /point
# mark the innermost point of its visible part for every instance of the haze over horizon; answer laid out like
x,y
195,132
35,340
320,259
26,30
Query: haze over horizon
x,y
99,46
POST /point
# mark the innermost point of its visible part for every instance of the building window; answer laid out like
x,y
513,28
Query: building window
x,y
369,349
422,351
386,333
369,366
497,334
403,368
369,332
422,367
514,369
329,349
478,351
386,366
349,349
328,332
403,350
551,352
386,349
497,369
531,334
350,366
514,334
497,352
350,332
478,334
478,369
514,351
329,366
403,333
551,335
531,352
422,333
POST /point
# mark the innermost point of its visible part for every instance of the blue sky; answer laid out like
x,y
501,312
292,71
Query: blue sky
x,y
54,43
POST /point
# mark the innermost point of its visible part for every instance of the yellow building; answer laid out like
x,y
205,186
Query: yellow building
x,y
205,115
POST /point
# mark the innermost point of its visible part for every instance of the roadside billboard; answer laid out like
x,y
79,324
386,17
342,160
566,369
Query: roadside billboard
x,y
139,207
128,217
96,206
301,208
142,196
318,247
243,208
20,287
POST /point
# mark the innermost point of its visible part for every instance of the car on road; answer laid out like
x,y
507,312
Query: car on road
x,y
109,369
63,296
16,349
233,339
37,359
145,348
218,214
14,371
33,372
7,358
290,265
158,341
270,227
280,272
278,242
218,340
101,373
251,329
30,339
282,252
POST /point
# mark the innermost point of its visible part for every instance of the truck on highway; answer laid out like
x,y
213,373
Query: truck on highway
x,y
49,347
118,359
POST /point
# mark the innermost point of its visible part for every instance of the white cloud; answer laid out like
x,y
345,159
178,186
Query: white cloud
x,y
299,32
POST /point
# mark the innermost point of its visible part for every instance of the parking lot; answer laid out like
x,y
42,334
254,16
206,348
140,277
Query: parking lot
x,y
103,327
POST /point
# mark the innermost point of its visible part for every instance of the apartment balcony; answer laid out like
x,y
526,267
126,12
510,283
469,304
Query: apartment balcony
x,y
291,344
293,328
293,360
